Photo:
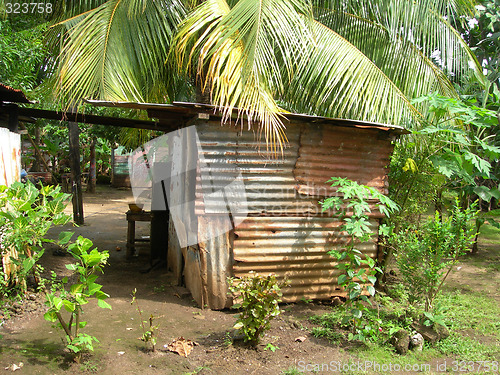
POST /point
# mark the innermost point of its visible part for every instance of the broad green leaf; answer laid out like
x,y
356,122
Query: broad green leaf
x,y
50,316
370,289
71,267
93,288
58,303
69,306
76,288
341,279
64,237
103,304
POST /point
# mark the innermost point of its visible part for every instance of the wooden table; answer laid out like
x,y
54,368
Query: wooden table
x,y
132,217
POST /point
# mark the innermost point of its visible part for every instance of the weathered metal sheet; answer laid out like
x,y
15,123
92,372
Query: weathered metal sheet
x,y
285,232
10,157
216,262
360,155
294,248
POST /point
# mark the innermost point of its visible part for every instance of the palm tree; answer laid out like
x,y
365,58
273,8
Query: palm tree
x,y
363,59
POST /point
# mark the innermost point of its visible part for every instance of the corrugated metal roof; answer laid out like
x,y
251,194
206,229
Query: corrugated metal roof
x,y
9,94
182,109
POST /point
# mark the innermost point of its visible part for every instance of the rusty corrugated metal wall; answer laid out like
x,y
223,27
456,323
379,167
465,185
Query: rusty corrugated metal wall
x,y
285,232
10,157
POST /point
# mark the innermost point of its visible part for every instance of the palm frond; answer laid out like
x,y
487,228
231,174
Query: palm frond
x,y
117,51
405,64
340,81
239,55
427,25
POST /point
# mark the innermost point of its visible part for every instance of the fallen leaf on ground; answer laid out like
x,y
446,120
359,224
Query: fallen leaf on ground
x,y
301,339
181,346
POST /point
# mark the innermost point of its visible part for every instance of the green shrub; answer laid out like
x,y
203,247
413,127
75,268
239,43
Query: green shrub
x,y
259,298
26,215
426,255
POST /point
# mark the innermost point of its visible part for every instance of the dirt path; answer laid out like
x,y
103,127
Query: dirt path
x,y
34,342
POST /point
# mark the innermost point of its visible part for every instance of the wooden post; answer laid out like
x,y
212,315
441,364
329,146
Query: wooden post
x,y
36,166
92,170
76,174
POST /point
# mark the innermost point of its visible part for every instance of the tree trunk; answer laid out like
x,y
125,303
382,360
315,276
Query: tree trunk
x,y
92,170
36,166
76,174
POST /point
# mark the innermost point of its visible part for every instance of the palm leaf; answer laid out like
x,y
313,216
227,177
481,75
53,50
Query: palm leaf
x,y
340,81
427,25
117,51
403,62
234,53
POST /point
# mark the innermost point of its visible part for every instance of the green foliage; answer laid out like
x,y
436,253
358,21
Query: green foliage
x,y
72,298
379,323
148,334
26,214
259,298
435,317
484,39
426,255
23,51
358,272
457,148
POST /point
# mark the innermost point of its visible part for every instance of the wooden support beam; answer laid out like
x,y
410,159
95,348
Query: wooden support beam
x,y
89,119
76,175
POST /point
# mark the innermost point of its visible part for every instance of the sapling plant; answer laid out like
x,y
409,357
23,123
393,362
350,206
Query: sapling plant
x,y
89,262
148,334
358,272
258,299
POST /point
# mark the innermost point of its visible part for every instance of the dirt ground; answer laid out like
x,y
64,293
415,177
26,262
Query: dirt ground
x,y
29,339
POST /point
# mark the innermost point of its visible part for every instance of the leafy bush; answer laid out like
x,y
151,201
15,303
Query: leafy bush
x,y
426,255
259,297
89,262
26,215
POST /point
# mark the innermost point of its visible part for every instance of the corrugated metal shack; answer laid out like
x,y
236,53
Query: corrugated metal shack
x,y
285,231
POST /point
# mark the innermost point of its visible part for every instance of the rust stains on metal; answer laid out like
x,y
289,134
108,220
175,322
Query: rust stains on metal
x,y
285,232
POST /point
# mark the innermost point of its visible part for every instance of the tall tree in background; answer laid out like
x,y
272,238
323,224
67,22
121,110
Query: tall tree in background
x,y
353,59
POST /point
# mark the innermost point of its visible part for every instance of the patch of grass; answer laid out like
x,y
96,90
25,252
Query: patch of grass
x,y
489,233
385,317
467,349
291,371
471,311
386,355
331,334
198,370
89,366
159,289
